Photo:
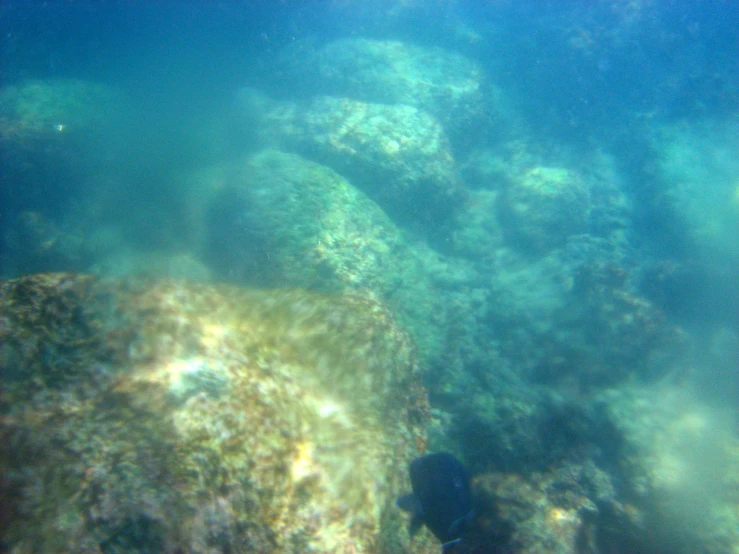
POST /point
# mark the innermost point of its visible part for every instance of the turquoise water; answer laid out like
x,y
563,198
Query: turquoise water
x,y
546,194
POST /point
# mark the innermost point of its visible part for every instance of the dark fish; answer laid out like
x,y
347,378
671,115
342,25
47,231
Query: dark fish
x,y
441,498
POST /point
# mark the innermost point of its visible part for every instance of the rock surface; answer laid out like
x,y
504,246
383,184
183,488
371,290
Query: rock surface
x,y
438,81
398,155
544,206
284,221
141,417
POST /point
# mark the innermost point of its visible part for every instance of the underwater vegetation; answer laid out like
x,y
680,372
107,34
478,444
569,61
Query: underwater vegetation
x,y
253,269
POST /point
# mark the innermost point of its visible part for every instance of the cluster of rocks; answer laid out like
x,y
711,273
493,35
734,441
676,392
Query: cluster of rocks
x,y
197,418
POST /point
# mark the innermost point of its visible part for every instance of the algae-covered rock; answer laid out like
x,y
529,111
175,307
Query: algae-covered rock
x,y
286,221
562,511
544,206
441,82
172,417
397,154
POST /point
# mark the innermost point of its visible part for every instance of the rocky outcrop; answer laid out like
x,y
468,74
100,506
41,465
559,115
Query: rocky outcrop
x,y
441,82
176,417
397,154
284,221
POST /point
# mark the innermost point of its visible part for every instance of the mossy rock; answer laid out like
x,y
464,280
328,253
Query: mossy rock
x,y
163,417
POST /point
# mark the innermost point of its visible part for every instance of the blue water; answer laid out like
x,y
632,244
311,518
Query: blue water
x,y
121,124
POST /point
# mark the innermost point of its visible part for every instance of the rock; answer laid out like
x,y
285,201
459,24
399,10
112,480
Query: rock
x,y
544,206
288,222
490,169
163,417
397,154
555,512
440,82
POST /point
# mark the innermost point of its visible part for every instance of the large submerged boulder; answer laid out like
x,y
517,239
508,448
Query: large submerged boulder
x,y
544,206
438,81
397,154
173,417
285,221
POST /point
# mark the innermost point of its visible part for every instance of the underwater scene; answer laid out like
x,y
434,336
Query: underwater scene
x,y
369,277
